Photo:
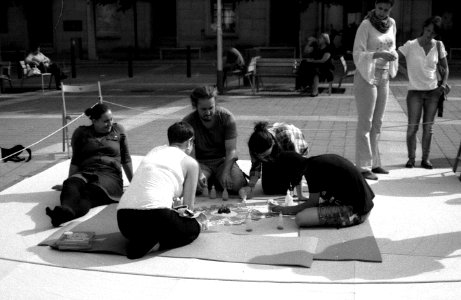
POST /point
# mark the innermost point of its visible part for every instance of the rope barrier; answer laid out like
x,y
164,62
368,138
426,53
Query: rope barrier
x,y
384,127
140,110
41,140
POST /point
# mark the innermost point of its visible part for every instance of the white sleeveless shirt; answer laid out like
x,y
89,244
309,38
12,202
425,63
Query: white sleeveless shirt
x,y
158,179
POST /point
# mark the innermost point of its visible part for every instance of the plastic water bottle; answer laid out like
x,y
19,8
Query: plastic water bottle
x,y
225,195
243,194
280,222
248,223
205,191
288,199
213,192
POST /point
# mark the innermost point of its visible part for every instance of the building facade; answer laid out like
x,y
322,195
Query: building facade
x,y
95,30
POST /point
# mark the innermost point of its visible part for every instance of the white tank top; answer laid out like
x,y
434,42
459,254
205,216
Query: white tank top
x,y
158,179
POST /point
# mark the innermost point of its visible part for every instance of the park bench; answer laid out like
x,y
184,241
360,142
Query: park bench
x,y
26,73
275,52
277,68
181,51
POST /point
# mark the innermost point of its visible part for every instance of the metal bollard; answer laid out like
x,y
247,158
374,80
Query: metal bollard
x,y
130,62
72,58
188,71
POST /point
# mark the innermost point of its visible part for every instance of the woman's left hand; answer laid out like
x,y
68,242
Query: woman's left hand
x,y
445,88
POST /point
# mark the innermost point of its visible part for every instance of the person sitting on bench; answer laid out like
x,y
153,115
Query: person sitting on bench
x,y
317,68
339,196
233,62
36,59
145,213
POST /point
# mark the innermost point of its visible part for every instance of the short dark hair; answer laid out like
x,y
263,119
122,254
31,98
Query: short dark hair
x,y
203,92
96,111
180,132
436,22
261,139
391,2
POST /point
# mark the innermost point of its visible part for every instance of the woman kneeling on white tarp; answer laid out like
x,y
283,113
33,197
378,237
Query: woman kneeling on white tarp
x,y
339,196
145,213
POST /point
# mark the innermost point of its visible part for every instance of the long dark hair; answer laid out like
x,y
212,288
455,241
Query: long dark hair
x,y
261,139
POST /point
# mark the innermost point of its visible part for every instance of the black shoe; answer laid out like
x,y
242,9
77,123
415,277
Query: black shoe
x,y
369,175
379,170
135,250
426,164
59,215
410,164
312,95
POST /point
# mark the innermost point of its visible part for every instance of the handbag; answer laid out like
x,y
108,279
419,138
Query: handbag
x,y
440,74
12,154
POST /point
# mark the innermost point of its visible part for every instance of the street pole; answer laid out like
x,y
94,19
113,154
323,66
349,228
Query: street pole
x,y
219,47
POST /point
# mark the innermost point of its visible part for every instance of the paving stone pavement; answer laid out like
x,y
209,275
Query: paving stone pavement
x,y
157,95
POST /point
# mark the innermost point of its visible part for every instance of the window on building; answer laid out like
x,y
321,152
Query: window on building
x,y
228,17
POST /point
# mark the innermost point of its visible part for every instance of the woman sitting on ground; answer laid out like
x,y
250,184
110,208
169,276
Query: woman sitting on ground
x,y
145,215
339,196
95,175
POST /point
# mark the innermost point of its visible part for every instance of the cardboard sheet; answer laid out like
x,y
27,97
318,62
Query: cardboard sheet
x,y
351,243
219,246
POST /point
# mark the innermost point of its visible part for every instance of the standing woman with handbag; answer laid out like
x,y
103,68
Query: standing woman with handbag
x,y
424,56
375,59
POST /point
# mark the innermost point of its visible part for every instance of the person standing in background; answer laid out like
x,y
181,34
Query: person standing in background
x,y
376,60
424,89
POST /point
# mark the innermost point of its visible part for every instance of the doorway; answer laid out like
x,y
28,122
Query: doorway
x,y
164,23
40,22
284,23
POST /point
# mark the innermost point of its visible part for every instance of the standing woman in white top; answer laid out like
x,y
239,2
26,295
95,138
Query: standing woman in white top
x,y
145,212
375,59
424,90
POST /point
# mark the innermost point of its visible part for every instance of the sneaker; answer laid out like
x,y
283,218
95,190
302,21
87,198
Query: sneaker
x,y
379,170
369,175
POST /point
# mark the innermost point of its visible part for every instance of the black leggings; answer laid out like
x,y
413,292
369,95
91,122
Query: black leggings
x,y
146,228
80,196
272,180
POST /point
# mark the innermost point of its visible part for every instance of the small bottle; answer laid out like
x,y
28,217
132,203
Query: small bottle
x,y
205,191
213,192
288,199
248,223
280,222
243,194
225,195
